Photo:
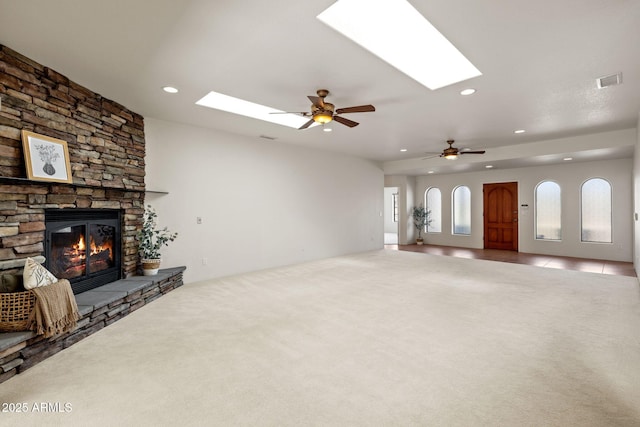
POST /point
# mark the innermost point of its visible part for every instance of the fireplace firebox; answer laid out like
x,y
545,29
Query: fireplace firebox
x,y
83,246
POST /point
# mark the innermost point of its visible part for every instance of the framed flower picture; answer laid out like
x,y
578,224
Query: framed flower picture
x,y
46,158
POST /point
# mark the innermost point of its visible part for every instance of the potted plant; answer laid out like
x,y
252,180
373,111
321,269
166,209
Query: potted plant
x,y
421,219
151,239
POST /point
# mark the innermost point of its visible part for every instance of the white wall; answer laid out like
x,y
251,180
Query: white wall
x,y
262,203
570,176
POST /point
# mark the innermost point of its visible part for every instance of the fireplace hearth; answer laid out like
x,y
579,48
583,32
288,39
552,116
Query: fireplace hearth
x,y
83,246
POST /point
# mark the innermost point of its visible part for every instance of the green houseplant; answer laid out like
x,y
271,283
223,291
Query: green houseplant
x,y
151,239
421,219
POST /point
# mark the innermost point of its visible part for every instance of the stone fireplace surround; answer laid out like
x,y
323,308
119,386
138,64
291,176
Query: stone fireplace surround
x,y
106,149
106,146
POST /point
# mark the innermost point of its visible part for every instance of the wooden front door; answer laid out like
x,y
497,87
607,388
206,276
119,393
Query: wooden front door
x,y
501,216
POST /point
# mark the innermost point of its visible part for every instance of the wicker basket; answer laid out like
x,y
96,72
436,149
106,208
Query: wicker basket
x,y
15,308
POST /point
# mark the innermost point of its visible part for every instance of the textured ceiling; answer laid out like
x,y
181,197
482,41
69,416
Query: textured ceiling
x,y
539,59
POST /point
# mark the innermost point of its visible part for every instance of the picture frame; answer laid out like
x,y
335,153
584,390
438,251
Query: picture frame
x,y
46,158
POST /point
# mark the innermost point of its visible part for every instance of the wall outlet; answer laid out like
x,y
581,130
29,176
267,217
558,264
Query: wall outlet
x,y
199,220
205,261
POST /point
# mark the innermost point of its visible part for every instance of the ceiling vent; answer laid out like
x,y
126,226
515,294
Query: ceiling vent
x,y
606,81
270,138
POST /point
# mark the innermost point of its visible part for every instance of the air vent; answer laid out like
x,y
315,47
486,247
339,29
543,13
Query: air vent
x,y
270,138
606,81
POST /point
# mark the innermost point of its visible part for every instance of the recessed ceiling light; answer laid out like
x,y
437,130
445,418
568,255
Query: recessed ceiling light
x,y
519,131
230,104
466,92
398,34
566,159
430,172
325,129
488,166
403,150
170,89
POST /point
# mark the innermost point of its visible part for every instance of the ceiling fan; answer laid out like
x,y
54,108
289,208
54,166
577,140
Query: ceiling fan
x,y
323,112
452,153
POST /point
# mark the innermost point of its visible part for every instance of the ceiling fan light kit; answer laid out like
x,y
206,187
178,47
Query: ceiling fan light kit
x,y
323,116
324,112
452,153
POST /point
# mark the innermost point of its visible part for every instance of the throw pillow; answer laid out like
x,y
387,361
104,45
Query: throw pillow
x,y
36,275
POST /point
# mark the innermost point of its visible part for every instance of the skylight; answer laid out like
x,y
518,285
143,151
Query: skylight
x,y
230,104
397,33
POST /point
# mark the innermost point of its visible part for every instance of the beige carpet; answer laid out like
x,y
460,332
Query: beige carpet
x,y
384,338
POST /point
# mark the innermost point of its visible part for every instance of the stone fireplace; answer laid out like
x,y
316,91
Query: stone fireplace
x,y
84,230
106,149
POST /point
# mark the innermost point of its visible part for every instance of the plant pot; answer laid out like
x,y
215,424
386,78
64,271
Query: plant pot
x,y
150,267
420,241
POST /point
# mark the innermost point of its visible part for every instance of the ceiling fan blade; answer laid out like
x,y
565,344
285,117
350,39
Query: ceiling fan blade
x,y
317,101
472,152
303,113
345,122
306,125
358,109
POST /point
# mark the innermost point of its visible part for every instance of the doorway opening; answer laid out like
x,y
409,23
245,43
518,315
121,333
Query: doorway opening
x,y
391,215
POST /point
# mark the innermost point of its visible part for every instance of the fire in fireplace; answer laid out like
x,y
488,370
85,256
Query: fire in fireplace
x,y
83,246
69,250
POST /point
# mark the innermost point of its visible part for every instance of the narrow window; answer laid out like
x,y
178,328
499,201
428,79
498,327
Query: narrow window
x,y
462,210
394,204
596,211
548,213
433,201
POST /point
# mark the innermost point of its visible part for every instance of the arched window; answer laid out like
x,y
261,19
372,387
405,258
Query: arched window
x,y
595,204
433,203
548,211
462,210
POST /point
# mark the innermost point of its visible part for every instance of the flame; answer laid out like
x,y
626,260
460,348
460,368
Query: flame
x,y
94,248
80,246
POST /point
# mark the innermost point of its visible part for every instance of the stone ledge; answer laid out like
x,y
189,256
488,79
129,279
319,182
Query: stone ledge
x,y
94,300
19,262
114,291
98,308
11,339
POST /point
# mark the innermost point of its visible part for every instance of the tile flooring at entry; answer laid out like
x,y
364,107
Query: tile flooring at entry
x,y
567,263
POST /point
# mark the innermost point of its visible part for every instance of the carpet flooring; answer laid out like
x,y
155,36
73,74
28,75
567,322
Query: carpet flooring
x,y
383,338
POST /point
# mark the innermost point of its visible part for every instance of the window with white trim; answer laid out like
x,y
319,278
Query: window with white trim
x,y
433,204
461,210
394,206
595,206
548,211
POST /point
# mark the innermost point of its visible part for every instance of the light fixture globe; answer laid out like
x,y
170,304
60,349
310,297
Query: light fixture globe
x,y
450,153
323,115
